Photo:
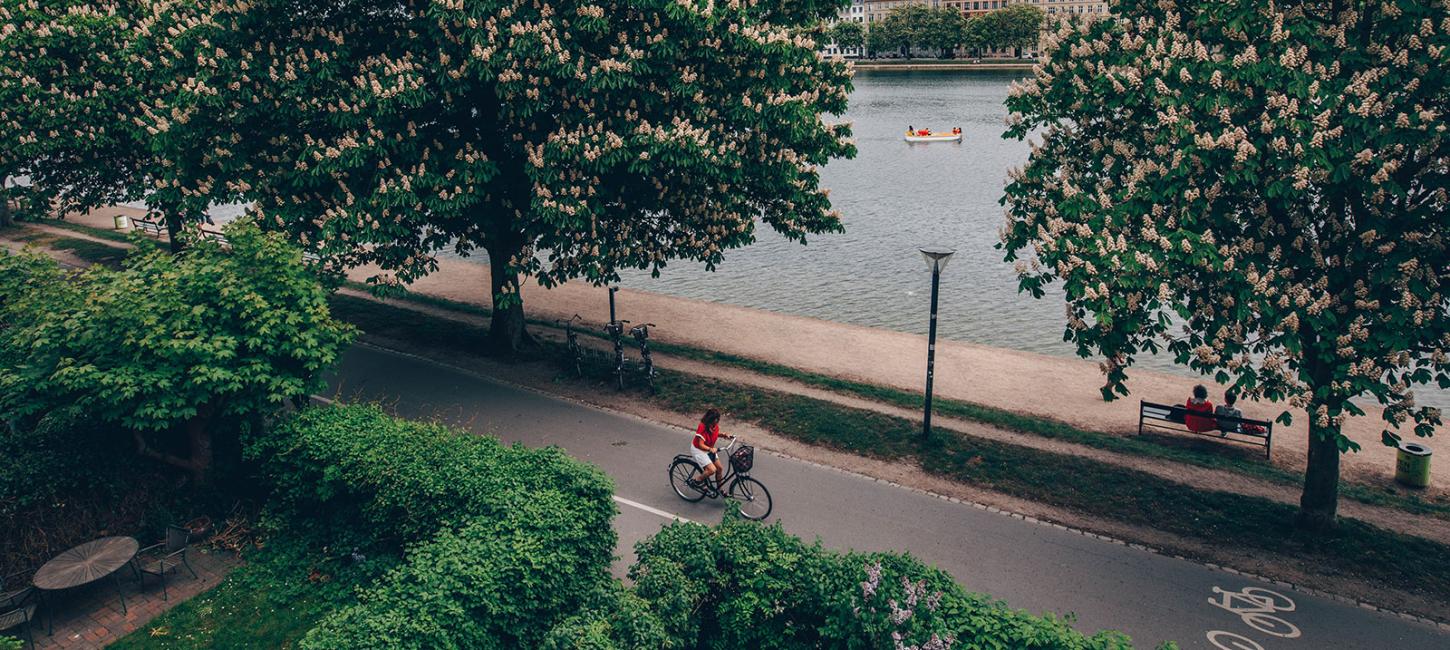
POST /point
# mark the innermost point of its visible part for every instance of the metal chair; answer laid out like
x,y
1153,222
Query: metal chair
x,y
18,611
158,559
9,593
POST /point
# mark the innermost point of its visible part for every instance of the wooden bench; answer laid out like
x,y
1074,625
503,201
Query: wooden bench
x,y
148,225
1173,417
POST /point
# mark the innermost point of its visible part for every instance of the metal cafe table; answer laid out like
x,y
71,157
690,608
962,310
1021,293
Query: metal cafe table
x,y
92,561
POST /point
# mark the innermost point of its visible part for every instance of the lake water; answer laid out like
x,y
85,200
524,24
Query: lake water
x,y
895,197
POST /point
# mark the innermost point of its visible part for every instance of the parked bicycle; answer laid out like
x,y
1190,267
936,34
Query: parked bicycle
x,y
647,363
615,331
574,351
737,484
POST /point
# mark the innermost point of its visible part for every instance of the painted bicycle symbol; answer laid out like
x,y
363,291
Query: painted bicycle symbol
x,y
1257,607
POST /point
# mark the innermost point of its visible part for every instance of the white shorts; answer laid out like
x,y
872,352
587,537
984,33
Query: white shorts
x,y
701,458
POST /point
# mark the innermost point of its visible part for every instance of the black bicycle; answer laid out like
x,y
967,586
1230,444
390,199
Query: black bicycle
x,y
574,351
615,331
735,484
647,363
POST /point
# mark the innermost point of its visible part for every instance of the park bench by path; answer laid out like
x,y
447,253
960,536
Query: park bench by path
x,y
149,225
1172,417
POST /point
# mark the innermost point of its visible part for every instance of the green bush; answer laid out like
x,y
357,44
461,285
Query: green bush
x,y
499,542
380,480
57,457
614,619
171,347
498,582
759,587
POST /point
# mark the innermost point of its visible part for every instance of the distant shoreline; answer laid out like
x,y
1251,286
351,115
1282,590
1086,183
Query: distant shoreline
x,y
943,65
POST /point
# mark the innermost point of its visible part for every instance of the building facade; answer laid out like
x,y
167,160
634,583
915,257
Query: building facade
x,y
856,12
874,11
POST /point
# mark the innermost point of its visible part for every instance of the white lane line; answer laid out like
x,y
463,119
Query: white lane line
x,y
653,511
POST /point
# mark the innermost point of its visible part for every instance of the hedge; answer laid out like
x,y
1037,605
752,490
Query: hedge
x,y
754,586
494,583
356,474
498,542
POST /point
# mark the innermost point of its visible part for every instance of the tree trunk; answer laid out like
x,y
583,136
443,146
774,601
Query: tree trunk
x,y
198,439
5,219
199,446
506,327
1320,501
173,231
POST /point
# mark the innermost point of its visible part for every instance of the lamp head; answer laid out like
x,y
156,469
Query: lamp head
x,y
937,257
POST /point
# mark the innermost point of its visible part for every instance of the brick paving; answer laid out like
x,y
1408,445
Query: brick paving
x,y
90,617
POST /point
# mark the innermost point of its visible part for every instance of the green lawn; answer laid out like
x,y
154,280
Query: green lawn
x,y
270,602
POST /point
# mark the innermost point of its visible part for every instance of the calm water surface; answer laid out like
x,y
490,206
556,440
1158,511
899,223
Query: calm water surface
x,y
895,197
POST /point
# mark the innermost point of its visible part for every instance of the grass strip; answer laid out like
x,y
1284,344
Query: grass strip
x,y
1097,489
92,252
284,589
126,237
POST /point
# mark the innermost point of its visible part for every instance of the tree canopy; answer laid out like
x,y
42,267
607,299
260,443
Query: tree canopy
x,y
169,342
67,102
567,140
848,34
1014,26
1261,190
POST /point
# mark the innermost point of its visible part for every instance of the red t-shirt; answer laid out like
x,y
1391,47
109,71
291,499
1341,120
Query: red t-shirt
x,y
1198,423
707,437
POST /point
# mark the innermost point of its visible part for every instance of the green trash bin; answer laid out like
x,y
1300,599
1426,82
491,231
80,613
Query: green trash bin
x,y
1413,466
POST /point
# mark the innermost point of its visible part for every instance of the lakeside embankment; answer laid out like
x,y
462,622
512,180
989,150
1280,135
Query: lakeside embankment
x,y
917,66
1040,385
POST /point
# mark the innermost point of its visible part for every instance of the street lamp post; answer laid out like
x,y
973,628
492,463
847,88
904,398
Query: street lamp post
x,y
936,260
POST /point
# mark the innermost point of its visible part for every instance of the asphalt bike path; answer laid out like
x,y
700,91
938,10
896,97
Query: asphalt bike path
x,y
1032,566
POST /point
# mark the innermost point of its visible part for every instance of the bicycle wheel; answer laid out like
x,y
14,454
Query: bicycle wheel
x,y
681,471
753,497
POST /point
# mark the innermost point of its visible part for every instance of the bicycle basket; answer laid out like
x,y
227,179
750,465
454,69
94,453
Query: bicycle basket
x,y
743,459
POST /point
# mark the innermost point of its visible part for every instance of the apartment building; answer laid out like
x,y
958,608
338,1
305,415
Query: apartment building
x,y
856,12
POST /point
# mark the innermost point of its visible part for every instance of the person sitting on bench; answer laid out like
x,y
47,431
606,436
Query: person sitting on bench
x,y
1228,409
1199,404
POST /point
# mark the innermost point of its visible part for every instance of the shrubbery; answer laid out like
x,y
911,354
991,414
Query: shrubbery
x,y
753,586
66,478
499,542
397,482
171,347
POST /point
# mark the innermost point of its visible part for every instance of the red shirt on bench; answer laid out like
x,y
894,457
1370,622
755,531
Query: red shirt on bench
x,y
1199,423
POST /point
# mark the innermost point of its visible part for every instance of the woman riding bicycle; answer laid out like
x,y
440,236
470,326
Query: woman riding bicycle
x,y
703,450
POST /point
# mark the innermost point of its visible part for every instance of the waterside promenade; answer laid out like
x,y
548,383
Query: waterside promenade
x,y
1059,388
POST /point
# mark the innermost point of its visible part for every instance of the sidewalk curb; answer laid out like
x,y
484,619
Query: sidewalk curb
x,y
1310,591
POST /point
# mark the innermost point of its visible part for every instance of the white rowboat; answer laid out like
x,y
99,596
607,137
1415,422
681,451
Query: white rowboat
x,y
935,137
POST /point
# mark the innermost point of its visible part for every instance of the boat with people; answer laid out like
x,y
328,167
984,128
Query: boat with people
x,y
927,135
